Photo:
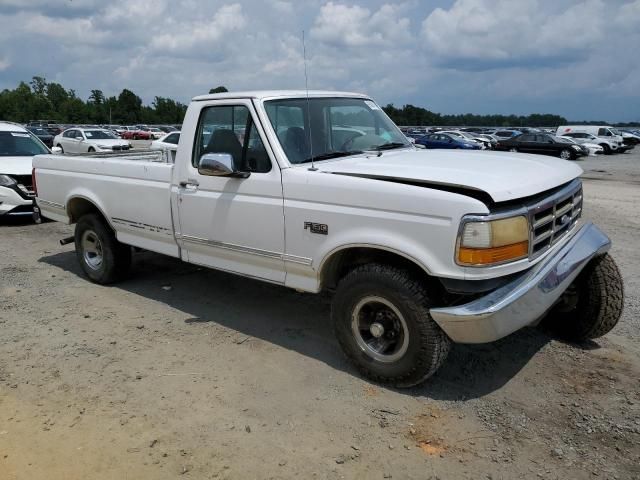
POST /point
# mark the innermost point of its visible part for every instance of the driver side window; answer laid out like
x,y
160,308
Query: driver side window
x,y
230,129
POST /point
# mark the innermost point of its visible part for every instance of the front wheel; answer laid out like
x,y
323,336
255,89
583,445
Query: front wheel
x,y
593,303
381,318
91,150
61,149
102,258
606,148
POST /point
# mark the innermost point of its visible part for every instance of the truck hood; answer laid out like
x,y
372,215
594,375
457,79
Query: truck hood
x,y
15,165
503,176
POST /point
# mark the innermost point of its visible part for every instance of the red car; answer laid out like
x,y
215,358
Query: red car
x,y
136,135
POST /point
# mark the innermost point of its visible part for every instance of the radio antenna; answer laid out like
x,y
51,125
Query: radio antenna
x,y
306,87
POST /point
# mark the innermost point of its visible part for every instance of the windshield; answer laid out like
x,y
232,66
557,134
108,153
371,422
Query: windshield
x,y
331,127
615,131
40,131
20,144
99,135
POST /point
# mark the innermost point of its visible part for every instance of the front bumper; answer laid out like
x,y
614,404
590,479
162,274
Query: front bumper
x,y
525,299
13,203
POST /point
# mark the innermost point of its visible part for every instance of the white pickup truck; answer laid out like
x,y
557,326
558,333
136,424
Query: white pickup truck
x,y
320,191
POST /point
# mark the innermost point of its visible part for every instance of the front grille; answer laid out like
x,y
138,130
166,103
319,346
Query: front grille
x,y
25,184
553,218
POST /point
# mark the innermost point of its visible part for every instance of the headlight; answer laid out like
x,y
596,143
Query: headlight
x,y
575,146
104,147
6,181
484,243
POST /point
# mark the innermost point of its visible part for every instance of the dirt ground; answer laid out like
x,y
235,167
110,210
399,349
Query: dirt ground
x,y
181,372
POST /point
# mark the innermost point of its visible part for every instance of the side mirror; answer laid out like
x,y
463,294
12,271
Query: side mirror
x,y
219,165
79,138
56,150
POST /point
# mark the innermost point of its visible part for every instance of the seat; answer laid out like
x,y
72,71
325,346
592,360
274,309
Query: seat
x,y
296,145
225,141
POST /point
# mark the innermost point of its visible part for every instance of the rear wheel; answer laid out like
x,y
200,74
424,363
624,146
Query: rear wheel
x,y
381,318
593,303
102,258
566,154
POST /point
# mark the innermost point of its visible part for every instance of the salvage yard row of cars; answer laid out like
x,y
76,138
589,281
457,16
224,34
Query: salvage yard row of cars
x,y
19,143
569,142
46,130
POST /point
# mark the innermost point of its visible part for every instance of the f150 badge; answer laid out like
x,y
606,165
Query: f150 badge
x,y
319,228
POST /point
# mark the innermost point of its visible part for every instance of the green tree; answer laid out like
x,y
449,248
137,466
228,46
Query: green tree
x,y
220,89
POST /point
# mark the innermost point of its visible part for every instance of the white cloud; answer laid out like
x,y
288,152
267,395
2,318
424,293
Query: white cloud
x,y
204,34
504,56
355,26
504,32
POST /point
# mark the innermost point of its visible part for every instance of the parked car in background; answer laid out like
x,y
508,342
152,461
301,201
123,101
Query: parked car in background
x,y
81,140
168,142
445,140
17,147
570,141
609,145
604,132
167,128
472,137
503,134
156,133
43,134
136,135
629,138
541,144
591,148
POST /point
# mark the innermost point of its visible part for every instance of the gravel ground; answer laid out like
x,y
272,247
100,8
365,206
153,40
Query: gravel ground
x,y
182,372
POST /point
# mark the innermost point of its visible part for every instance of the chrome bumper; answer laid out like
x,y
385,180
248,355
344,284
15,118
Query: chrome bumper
x,y
524,300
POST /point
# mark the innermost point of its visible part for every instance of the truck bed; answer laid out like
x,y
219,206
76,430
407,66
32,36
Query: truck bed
x,y
133,191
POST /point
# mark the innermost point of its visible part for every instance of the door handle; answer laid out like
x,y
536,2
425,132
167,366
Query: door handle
x,y
189,183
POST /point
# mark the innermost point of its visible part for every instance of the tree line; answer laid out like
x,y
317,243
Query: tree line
x,y
418,116
42,100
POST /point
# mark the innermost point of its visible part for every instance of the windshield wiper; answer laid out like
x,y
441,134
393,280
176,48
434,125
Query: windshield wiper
x,y
390,146
330,155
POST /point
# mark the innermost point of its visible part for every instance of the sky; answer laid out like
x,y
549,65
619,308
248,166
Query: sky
x,y
576,58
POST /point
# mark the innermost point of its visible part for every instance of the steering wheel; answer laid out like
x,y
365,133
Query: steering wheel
x,y
348,143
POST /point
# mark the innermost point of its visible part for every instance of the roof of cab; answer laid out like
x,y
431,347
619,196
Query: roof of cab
x,y
263,94
11,127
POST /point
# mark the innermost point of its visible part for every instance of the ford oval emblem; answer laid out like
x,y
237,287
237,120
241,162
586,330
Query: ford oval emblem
x,y
564,220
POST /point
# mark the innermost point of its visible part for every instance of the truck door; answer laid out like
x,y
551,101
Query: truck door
x,y
230,223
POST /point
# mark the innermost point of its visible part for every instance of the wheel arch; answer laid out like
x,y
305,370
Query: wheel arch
x,y
340,261
79,205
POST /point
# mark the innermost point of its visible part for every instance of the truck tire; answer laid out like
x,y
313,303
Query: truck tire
x,y
381,319
593,303
102,258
